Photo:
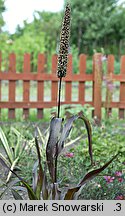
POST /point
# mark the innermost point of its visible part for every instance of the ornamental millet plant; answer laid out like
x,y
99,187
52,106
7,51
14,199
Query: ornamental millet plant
x,y
42,188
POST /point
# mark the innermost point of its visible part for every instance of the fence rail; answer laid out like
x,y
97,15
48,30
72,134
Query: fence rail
x,y
41,76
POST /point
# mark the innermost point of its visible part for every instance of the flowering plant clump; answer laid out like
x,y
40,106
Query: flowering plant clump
x,y
69,155
45,187
117,176
109,179
118,173
120,197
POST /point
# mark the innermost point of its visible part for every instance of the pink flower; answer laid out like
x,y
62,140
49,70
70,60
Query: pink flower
x,y
120,179
118,173
109,179
69,155
120,197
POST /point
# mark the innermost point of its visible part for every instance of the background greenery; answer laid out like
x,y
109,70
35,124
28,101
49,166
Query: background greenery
x,y
95,24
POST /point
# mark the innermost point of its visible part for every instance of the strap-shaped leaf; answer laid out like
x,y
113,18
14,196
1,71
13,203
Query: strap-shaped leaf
x,y
40,173
16,195
6,146
8,186
65,132
12,168
45,192
35,176
52,145
31,194
67,128
89,132
94,173
70,194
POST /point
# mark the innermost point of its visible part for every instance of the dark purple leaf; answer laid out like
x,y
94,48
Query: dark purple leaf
x,y
40,172
65,132
45,185
52,145
70,194
35,175
16,195
94,173
31,194
89,132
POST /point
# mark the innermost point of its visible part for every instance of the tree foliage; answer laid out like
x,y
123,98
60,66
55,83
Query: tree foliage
x,y
2,9
96,23
39,36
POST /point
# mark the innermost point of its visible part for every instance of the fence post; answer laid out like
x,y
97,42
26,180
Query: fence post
x,y
68,84
110,70
97,85
122,87
82,70
40,84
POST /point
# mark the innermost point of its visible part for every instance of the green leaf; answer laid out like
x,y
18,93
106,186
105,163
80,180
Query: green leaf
x,y
16,195
12,168
6,146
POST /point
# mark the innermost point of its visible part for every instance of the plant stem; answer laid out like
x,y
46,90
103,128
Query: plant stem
x,y
59,96
59,99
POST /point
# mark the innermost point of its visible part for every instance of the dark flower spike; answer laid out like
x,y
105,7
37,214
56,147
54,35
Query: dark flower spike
x,y
64,44
63,50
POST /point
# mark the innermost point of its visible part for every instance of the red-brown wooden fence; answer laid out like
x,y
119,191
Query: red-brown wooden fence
x,y
41,76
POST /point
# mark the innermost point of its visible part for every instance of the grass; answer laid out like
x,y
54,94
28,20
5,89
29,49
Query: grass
x,y
107,140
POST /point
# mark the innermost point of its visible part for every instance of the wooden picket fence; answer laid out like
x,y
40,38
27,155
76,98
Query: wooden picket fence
x,y
41,76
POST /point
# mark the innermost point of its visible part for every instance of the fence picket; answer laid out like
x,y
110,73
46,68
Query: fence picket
x,y
122,87
41,76
54,84
68,85
40,83
97,85
82,70
110,71
12,84
26,85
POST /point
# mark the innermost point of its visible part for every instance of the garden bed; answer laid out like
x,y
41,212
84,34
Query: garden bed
x,y
108,139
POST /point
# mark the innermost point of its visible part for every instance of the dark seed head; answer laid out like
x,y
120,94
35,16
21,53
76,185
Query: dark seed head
x,y
64,44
